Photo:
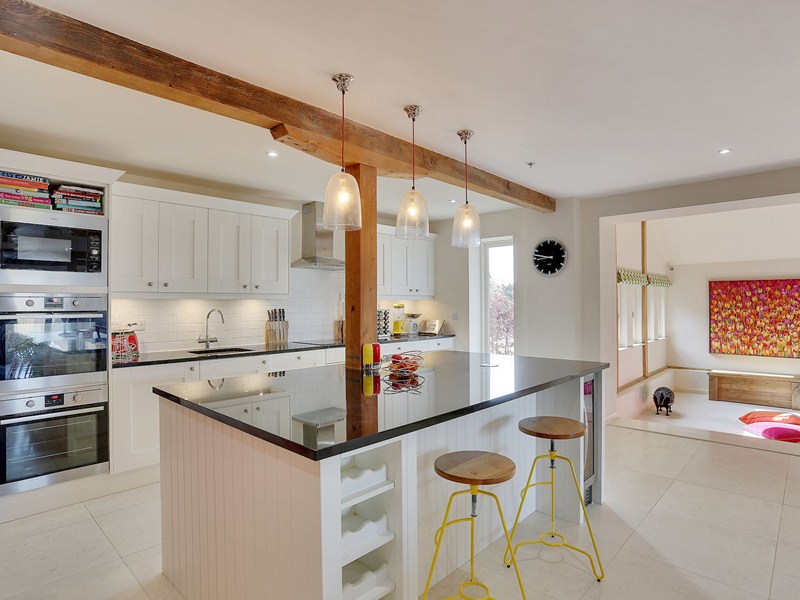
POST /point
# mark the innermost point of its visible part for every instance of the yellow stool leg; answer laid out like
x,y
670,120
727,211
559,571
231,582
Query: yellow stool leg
x,y
524,494
602,574
508,540
439,536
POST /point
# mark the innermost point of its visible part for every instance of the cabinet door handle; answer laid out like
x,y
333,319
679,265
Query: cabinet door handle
x,y
166,284
245,286
258,287
192,368
416,290
299,357
245,411
150,284
263,362
410,289
258,408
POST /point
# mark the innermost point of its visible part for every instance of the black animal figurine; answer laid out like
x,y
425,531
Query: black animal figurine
x,y
664,398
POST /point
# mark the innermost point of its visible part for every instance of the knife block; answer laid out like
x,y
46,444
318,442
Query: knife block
x,y
277,332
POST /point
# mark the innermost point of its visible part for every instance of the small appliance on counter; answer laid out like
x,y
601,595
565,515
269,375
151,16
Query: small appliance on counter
x,y
412,327
399,322
432,327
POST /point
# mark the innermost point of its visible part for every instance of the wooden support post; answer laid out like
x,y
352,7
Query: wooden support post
x,y
360,272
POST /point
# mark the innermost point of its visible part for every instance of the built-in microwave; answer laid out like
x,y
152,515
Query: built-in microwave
x,y
47,247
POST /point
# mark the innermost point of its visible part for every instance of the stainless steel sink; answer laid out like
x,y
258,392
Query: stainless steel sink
x,y
221,351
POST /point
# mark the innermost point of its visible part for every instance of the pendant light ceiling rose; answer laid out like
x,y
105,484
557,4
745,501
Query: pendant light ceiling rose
x,y
343,81
342,209
465,134
412,216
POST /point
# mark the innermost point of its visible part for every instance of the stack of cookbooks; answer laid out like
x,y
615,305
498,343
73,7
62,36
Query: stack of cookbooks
x,y
18,189
75,199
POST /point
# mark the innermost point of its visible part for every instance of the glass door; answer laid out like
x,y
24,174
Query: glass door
x,y
42,350
39,445
497,279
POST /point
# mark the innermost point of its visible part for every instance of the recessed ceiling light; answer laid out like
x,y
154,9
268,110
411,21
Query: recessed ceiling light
x,y
272,154
725,151
452,201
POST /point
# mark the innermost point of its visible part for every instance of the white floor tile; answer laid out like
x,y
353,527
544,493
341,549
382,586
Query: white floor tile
x,y
732,511
762,460
786,579
121,500
790,527
718,553
632,494
652,453
631,576
40,523
46,557
133,529
109,581
614,435
729,477
146,567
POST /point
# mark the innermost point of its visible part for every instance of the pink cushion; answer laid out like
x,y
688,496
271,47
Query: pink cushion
x,y
758,428
783,433
772,416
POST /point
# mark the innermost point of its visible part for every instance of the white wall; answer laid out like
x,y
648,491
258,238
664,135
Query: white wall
x,y
629,246
311,308
546,309
687,316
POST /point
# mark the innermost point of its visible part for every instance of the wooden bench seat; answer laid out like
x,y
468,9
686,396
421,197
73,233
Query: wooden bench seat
x,y
782,391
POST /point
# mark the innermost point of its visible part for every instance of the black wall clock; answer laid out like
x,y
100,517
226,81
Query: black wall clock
x,y
549,257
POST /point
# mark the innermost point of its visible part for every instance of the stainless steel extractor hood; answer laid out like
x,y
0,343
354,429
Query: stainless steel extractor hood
x,y
317,252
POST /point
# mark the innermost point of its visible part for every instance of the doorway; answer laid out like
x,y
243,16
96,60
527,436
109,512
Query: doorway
x,y
497,294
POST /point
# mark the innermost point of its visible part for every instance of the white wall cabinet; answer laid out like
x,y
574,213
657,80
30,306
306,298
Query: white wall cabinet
x,y
134,245
412,268
134,411
270,255
182,248
384,260
229,252
174,242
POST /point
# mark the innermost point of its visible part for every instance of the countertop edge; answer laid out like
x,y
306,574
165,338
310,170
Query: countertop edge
x,y
348,446
183,359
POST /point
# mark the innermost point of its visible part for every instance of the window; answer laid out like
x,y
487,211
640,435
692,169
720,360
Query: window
x,y
629,298
497,277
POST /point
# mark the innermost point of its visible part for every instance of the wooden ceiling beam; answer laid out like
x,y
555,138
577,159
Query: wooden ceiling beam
x,y
47,36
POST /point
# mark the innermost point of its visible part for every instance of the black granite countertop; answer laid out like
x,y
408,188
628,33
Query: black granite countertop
x,y
178,356
325,411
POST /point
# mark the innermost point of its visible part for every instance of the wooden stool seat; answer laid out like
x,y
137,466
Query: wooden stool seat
x,y
475,467
552,428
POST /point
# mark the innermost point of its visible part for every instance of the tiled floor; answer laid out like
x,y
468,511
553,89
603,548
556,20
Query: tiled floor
x,y
104,549
684,519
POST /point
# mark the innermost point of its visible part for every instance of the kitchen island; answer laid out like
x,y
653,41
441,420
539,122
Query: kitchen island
x,y
303,485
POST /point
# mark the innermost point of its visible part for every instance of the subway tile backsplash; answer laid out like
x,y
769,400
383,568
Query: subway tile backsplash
x,y
312,306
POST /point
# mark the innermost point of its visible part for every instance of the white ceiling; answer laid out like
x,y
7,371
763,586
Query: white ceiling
x,y
604,96
758,234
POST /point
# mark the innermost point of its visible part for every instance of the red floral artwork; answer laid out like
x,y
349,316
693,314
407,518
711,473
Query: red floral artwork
x,y
754,318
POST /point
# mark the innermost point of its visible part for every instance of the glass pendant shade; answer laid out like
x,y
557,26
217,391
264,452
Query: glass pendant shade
x,y
466,227
412,217
342,210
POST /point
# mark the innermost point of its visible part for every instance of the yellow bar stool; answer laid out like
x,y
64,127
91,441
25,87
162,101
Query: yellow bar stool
x,y
473,468
553,428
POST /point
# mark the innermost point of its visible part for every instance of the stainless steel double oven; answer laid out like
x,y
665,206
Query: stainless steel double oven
x,y
53,388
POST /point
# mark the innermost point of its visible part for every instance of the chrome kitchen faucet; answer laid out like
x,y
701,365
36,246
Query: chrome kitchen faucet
x,y
208,340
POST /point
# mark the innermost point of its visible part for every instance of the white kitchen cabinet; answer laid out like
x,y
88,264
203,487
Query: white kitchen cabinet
x,y
270,256
234,366
240,412
274,414
134,245
412,268
288,361
134,411
439,344
384,260
334,356
229,252
422,273
182,248
176,242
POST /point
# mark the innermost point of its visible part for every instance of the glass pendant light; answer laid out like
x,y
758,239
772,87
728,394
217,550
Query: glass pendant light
x,y
467,222
342,209
412,217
